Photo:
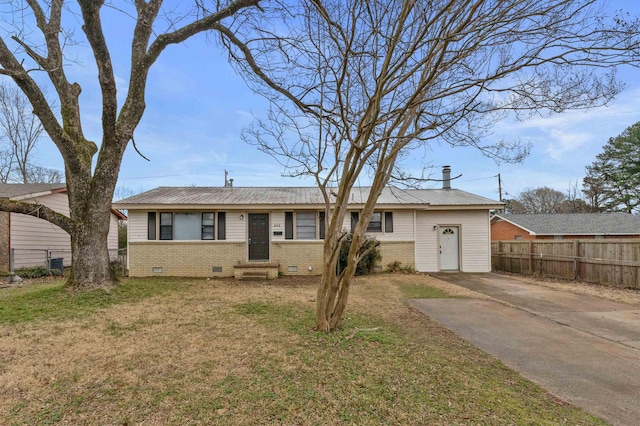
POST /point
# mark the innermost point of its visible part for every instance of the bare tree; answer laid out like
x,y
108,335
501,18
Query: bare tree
x,y
39,174
20,128
6,164
355,84
573,203
37,43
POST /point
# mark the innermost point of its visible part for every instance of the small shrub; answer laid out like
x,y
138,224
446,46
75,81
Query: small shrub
x,y
366,264
56,272
396,267
116,268
34,272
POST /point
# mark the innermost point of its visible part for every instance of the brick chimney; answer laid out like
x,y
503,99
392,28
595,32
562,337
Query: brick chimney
x,y
446,177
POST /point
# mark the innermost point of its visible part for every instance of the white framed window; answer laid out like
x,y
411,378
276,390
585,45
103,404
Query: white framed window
x,y
189,226
306,225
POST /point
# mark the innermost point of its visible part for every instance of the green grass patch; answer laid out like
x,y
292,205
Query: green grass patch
x,y
421,291
51,300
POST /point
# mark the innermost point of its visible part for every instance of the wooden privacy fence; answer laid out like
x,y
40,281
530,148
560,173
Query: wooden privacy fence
x,y
613,263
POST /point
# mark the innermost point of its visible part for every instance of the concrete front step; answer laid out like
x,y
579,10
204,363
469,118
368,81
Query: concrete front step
x,y
254,275
256,271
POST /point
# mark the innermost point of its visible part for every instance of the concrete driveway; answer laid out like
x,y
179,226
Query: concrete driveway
x,y
584,350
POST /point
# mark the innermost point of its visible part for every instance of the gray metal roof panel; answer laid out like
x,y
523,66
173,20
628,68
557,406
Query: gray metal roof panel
x,y
448,197
12,190
297,196
576,223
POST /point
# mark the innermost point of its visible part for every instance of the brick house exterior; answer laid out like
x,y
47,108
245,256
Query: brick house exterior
x,y
212,231
507,227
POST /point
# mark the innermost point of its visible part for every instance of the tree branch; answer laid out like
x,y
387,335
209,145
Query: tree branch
x,y
38,210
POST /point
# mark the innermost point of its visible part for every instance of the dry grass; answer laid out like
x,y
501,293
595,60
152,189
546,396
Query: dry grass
x,y
227,352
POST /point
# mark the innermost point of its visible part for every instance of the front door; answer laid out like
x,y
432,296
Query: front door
x,y
258,236
449,248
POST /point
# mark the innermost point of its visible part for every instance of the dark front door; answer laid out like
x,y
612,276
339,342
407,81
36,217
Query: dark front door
x,y
258,236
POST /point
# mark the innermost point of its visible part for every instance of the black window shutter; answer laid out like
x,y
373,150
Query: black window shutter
x,y
355,216
321,229
222,225
288,225
388,221
151,225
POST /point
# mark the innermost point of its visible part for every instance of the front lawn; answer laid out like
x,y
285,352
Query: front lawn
x,y
164,351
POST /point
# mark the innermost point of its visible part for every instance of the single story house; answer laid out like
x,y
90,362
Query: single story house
x,y
224,231
32,241
564,226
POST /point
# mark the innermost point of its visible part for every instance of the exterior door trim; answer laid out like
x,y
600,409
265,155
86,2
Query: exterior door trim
x,y
258,240
449,247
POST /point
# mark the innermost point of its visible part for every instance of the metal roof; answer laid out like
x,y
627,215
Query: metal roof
x,y
242,196
618,223
13,190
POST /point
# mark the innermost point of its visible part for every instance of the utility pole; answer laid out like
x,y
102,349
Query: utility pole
x,y
500,187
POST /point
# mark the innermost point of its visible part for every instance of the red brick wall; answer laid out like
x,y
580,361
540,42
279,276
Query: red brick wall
x,y
503,230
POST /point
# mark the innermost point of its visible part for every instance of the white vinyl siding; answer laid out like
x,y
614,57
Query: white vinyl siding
x,y
137,225
474,234
32,237
28,232
236,227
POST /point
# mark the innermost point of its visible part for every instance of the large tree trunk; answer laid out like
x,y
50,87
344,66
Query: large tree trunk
x,y
90,255
90,210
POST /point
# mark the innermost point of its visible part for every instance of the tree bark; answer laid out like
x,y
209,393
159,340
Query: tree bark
x,y
90,255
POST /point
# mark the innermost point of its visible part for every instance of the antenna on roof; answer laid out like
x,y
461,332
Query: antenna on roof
x,y
227,182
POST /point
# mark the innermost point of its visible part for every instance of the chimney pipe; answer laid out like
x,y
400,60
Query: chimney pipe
x,y
230,183
446,177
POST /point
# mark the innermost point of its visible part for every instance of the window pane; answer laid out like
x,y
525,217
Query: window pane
x,y
306,226
166,226
186,226
207,219
208,226
375,224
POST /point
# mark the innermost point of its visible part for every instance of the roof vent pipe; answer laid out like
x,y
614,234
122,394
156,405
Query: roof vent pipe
x,y
230,183
446,177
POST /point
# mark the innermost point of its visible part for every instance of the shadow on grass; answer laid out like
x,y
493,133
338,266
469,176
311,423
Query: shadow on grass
x,y
51,300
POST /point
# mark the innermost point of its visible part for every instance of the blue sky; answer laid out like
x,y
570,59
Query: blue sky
x,y
197,107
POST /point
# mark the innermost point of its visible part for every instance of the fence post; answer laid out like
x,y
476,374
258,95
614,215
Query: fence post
x,y
530,244
12,259
576,253
541,264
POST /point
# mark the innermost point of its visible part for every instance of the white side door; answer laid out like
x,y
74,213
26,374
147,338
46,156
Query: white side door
x,y
449,248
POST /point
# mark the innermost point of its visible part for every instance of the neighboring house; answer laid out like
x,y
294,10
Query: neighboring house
x,y
223,231
35,240
564,226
